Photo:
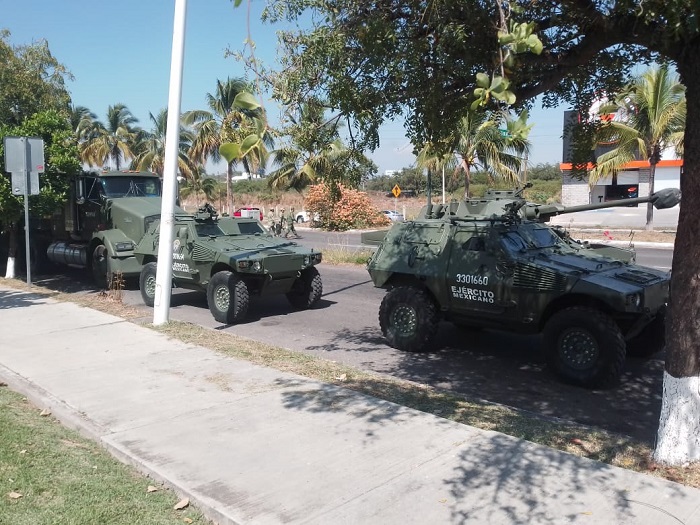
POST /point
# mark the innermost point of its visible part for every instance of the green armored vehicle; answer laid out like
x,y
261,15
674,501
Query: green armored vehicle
x,y
231,259
494,263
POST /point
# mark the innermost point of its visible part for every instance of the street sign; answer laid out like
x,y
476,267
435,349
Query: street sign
x,y
396,191
16,154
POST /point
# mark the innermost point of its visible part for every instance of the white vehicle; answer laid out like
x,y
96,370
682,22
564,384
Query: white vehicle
x,y
304,216
393,215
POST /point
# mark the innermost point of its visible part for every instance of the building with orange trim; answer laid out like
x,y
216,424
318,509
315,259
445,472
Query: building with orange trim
x,y
631,181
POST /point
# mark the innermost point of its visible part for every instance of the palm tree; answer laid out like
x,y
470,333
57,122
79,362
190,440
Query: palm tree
x,y
651,118
223,122
436,158
481,144
198,184
111,143
81,119
315,149
150,148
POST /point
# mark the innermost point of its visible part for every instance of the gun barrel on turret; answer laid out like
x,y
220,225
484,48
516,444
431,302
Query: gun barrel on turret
x,y
662,199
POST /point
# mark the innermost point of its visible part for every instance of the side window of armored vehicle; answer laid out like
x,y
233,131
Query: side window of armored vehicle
x,y
476,243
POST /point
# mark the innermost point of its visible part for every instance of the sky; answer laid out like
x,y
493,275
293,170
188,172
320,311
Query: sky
x,y
119,52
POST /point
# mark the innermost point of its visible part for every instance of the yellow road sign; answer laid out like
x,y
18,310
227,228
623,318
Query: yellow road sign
x,y
396,191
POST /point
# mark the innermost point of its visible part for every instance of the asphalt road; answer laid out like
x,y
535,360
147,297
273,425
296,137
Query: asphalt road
x,y
498,367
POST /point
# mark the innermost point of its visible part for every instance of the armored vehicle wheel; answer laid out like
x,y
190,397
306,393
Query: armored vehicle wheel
x,y
585,347
651,339
307,289
408,318
228,297
147,283
101,267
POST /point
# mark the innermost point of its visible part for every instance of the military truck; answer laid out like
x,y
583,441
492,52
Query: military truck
x,y
495,263
104,217
230,259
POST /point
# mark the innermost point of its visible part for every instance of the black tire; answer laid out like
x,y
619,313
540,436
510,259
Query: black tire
x,y
147,283
409,318
585,347
228,297
307,289
300,220
101,267
651,340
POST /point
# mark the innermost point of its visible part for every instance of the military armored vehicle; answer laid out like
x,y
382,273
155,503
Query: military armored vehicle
x,y
104,216
495,263
230,259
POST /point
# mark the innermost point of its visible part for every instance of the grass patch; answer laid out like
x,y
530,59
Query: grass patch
x,y
592,443
346,255
50,474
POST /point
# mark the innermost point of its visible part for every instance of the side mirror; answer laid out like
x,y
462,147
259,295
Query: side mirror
x,y
183,233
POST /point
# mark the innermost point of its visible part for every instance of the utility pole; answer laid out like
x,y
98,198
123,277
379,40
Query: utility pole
x,y
164,272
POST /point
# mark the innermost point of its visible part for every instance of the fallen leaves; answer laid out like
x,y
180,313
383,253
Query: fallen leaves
x,y
44,413
2,383
151,488
188,520
14,495
183,503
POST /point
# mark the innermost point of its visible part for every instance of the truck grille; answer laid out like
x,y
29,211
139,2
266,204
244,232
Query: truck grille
x,y
538,279
283,264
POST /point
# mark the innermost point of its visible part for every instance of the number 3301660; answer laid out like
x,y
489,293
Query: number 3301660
x,y
465,278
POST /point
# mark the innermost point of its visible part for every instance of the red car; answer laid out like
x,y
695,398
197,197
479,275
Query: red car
x,y
248,211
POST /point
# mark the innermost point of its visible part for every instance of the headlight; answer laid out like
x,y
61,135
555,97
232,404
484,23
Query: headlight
x,y
634,299
255,266
124,246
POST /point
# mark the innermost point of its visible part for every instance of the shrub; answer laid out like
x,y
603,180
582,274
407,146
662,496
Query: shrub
x,y
350,209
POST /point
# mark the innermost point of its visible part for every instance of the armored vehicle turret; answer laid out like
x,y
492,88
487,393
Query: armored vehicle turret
x,y
230,259
494,263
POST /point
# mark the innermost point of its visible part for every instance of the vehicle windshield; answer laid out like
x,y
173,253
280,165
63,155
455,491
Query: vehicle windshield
x,y
131,186
208,229
531,238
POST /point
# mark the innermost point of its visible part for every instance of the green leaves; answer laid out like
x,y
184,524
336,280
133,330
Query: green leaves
x,y
521,38
497,88
245,100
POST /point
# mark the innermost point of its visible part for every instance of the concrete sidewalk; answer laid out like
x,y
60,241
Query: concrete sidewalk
x,y
249,444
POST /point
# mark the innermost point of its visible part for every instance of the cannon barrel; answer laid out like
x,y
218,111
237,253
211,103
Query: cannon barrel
x,y
662,199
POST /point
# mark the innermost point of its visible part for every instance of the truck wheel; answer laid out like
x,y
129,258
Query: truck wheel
x,y
651,339
408,318
228,298
307,289
101,267
584,346
147,283
300,220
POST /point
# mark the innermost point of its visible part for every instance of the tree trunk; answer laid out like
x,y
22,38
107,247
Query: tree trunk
x,y
650,206
229,192
11,252
678,440
467,180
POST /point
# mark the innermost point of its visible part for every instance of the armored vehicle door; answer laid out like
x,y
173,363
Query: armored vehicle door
x,y
479,276
183,267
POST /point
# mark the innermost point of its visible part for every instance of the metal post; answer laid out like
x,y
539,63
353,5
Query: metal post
x,y
164,272
27,190
443,184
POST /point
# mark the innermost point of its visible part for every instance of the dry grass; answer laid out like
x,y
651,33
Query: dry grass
x,y
599,445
